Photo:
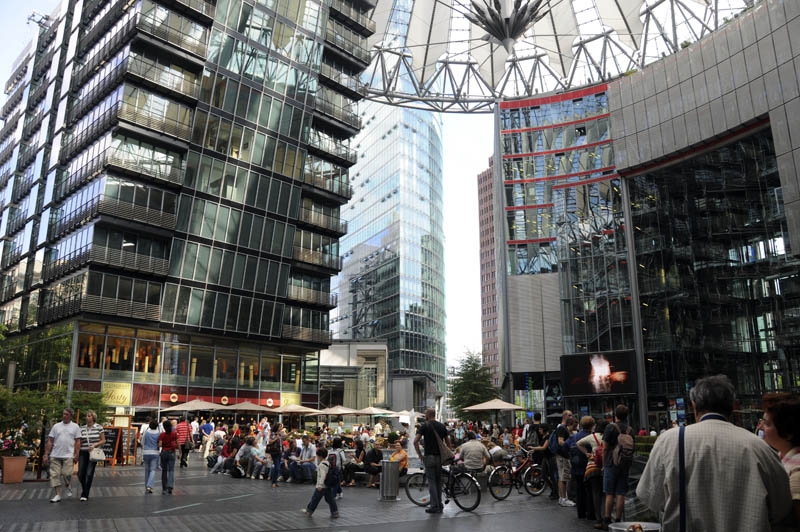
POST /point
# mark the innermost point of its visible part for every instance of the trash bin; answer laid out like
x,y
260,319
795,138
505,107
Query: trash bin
x,y
390,480
630,526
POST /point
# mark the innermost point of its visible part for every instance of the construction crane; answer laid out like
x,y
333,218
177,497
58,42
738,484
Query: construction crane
x,y
43,21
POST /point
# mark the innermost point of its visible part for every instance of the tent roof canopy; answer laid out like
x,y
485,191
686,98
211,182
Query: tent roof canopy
x,y
494,404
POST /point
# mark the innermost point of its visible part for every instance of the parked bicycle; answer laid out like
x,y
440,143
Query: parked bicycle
x,y
509,476
457,484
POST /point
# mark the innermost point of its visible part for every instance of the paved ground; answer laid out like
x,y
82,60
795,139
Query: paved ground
x,y
203,502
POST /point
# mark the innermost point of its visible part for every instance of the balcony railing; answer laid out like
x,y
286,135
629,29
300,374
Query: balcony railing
x,y
5,154
353,85
343,115
351,48
360,20
207,9
161,76
117,158
189,43
125,260
117,41
333,148
16,222
334,186
42,64
102,26
318,219
113,207
32,124
306,334
318,258
315,297
99,305
12,101
37,93
46,37
27,153
22,186
11,125
128,113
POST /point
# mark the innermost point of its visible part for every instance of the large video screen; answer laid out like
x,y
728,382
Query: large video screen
x,y
600,374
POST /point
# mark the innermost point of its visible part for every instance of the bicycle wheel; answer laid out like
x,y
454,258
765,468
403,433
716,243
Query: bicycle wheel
x,y
466,492
500,483
534,480
417,489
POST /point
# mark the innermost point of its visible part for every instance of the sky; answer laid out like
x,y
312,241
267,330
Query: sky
x,y
468,144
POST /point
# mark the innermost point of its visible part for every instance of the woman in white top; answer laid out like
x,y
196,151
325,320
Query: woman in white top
x,y
92,436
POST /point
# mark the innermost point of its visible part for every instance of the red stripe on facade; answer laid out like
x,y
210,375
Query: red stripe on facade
x,y
586,181
562,176
562,150
541,206
531,102
534,241
606,115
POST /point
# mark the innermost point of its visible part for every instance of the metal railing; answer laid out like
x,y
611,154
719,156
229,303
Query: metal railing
x,y
27,153
47,37
42,64
306,334
347,9
198,47
309,295
324,221
16,222
104,255
140,68
346,81
37,93
334,186
33,124
99,305
201,6
12,101
11,125
114,207
343,115
334,36
333,147
22,186
318,258
120,159
5,154
128,113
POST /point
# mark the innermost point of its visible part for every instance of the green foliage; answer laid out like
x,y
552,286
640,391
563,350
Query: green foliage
x,y
393,437
471,385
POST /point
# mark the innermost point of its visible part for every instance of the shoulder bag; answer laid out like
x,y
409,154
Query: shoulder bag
x,y
444,451
96,454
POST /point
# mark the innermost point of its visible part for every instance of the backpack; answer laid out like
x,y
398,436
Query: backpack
x,y
334,476
577,459
552,442
211,461
237,472
622,455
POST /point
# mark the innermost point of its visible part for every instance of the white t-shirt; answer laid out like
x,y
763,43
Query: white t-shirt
x,y
378,429
64,437
195,427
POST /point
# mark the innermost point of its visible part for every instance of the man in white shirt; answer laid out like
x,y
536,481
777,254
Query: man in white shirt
x,y
62,450
196,434
303,468
718,455
378,429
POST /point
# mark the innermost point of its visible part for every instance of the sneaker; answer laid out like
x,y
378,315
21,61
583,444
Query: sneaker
x,y
305,511
84,499
289,480
335,515
57,498
339,496
69,493
149,490
565,503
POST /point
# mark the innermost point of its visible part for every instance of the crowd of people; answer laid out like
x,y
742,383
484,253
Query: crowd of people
x,y
711,471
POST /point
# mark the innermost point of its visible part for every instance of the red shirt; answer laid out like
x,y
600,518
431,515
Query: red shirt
x,y
169,442
184,432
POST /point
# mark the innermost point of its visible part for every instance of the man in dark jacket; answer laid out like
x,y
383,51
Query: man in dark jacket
x,y
432,458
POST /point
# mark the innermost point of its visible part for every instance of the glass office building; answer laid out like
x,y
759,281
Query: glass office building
x,y
172,196
392,281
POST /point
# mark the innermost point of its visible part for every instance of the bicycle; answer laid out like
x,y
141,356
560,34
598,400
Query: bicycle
x,y
459,485
506,477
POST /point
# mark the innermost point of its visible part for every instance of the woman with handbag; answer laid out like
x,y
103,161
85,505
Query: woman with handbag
x,y
593,476
92,440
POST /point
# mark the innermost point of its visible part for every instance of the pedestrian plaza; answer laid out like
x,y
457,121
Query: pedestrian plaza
x,y
203,502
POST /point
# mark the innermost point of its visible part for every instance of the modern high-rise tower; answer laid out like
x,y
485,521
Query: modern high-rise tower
x,y
392,280
488,270
173,172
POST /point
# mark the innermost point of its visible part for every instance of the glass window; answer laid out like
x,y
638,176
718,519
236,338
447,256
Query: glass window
x,y
90,355
201,372
175,367
290,373
270,372
119,358
248,369
148,356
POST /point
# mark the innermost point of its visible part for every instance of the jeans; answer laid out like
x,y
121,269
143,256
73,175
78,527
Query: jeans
x,y
276,467
259,468
85,472
167,470
302,471
318,495
184,456
433,473
150,468
218,466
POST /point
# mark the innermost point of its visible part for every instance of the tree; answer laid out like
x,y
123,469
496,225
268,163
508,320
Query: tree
x,y
471,385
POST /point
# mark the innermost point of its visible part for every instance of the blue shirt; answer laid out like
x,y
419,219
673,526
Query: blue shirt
x,y
207,429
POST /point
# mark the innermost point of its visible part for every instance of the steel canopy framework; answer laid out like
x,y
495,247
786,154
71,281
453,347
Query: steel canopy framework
x,y
463,56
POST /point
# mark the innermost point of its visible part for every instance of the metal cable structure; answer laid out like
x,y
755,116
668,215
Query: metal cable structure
x,y
464,55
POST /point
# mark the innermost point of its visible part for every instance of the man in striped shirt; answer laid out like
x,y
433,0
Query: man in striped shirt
x,y
184,431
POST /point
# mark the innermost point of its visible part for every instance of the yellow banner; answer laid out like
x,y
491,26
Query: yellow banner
x,y
117,393
290,398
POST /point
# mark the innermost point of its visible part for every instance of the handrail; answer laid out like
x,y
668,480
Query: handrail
x,y
178,38
329,108
306,334
342,79
333,147
10,125
319,258
13,100
353,14
201,6
115,207
309,295
335,186
103,255
335,38
323,220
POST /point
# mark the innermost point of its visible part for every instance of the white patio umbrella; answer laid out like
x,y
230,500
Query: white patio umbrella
x,y
246,406
495,405
192,406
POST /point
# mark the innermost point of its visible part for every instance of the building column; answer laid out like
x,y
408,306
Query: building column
x,y
636,309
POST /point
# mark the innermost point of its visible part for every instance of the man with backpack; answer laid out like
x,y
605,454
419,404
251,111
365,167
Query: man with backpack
x,y
328,477
557,446
432,434
617,458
